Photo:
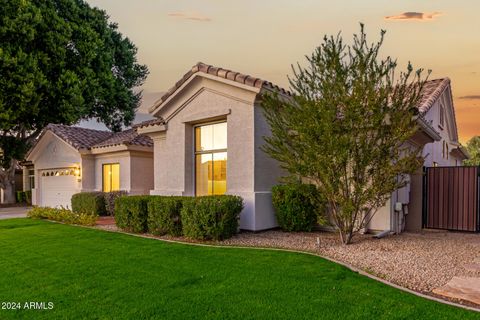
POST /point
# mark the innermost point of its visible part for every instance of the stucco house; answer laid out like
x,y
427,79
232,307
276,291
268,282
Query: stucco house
x,y
206,139
66,160
209,132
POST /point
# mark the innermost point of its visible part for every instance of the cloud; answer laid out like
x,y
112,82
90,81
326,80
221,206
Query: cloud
x,y
472,97
420,16
195,16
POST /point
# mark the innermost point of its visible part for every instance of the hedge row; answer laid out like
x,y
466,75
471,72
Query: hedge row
x,y
212,217
89,202
62,215
99,203
164,215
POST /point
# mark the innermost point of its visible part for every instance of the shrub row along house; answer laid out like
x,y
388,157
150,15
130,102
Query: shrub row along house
x,y
206,140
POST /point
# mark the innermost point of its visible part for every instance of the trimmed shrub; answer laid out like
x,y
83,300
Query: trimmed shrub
x,y
164,215
20,196
28,196
297,206
211,217
89,202
110,200
131,213
62,215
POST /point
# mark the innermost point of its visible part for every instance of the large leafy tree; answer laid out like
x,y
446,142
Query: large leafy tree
x,y
347,127
473,148
60,61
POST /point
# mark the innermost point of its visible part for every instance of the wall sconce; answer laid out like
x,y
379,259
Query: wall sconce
x,y
77,172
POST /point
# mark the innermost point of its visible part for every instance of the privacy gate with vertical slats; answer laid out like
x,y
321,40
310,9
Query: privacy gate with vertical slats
x,y
451,198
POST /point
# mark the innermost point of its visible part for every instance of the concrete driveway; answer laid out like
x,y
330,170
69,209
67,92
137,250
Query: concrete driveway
x,y
13,212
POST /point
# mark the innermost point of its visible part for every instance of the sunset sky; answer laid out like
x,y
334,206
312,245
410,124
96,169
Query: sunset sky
x,y
263,38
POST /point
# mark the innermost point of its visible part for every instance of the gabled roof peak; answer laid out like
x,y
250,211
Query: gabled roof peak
x,y
431,92
227,74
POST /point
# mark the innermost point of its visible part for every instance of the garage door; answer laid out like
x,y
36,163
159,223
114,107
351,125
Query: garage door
x,y
57,187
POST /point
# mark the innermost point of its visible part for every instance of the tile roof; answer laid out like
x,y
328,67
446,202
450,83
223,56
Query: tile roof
x,y
77,137
148,123
221,73
83,138
127,137
431,92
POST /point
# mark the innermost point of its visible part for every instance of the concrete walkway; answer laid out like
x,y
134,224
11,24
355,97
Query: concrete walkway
x,y
13,212
464,288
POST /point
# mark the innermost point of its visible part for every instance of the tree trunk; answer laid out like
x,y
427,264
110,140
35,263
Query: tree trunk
x,y
345,236
349,238
7,182
9,192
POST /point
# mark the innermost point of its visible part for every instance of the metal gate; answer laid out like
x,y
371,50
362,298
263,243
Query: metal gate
x,y
451,198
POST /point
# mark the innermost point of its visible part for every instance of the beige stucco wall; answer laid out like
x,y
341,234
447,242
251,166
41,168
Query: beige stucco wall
x,y
267,173
382,219
141,172
122,158
88,173
136,170
249,173
55,153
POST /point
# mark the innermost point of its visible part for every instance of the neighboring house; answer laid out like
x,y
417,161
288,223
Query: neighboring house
x,y
438,109
66,160
404,210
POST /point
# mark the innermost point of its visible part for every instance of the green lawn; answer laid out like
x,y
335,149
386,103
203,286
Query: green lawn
x,y
90,274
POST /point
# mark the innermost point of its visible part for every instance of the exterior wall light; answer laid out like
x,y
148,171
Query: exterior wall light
x,y
77,172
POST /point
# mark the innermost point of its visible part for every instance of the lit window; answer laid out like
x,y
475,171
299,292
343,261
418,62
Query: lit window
x,y
111,177
211,159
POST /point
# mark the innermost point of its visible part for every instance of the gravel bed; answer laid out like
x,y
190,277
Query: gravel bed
x,y
418,261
